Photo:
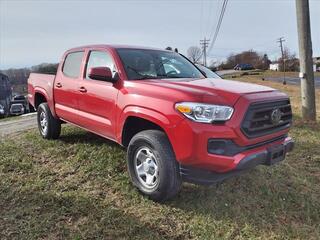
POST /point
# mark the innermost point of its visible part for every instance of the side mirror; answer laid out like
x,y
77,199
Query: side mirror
x,y
101,73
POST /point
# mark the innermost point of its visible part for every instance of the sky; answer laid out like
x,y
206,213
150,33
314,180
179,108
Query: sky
x,y
37,31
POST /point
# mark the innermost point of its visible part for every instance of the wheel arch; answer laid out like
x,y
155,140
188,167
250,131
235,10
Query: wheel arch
x,y
41,96
136,119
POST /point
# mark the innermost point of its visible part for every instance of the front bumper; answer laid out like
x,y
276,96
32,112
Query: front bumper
x,y
16,113
272,154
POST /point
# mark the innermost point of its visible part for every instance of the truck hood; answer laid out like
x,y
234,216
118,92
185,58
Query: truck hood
x,y
224,85
210,89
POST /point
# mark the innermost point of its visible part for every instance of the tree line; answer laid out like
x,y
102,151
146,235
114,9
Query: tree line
x,y
258,60
19,76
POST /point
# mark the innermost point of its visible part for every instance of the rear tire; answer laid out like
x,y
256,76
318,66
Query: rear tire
x,y
152,165
49,127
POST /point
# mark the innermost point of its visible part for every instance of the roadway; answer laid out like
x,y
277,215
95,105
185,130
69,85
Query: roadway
x,y
19,124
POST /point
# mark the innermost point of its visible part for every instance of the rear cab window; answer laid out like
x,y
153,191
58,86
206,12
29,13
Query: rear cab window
x,y
72,64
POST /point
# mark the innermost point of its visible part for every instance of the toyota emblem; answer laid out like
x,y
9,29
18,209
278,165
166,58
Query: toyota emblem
x,y
276,116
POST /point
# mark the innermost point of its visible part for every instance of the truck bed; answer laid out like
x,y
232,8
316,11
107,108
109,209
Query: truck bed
x,y
41,83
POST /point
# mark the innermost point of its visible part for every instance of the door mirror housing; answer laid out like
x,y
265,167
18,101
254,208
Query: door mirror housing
x,y
101,73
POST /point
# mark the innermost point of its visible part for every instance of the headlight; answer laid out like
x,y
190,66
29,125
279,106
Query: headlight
x,y
205,113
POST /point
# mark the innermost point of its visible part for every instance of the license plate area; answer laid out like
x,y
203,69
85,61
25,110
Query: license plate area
x,y
276,154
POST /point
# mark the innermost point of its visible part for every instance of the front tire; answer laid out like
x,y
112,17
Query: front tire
x,y
152,165
49,127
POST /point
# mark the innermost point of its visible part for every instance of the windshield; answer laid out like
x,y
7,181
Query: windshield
x,y
150,64
208,72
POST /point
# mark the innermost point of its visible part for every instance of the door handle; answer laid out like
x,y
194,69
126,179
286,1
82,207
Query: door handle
x,y
82,89
58,85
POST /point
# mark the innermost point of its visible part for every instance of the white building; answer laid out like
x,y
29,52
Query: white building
x,y
316,60
274,66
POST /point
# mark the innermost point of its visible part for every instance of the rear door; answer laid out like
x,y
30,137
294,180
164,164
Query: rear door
x,y
66,87
97,102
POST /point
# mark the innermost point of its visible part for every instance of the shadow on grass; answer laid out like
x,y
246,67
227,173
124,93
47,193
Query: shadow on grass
x,y
80,136
29,214
45,203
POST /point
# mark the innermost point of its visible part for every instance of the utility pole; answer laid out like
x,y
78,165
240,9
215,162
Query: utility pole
x,y
204,43
306,64
281,40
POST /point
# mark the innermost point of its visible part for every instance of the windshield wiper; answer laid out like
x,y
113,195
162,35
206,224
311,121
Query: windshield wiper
x,y
142,76
147,77
168,76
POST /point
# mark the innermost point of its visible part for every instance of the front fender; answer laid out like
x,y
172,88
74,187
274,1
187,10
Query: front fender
x,y
151,115
145,113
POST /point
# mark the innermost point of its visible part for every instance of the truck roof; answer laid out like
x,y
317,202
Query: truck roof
x,y
114,46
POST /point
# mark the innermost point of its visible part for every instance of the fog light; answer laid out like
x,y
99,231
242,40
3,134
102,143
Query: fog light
x,y
224,147
217,147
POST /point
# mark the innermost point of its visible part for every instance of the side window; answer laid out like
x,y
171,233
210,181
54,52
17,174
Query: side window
x,y
72,64
99,59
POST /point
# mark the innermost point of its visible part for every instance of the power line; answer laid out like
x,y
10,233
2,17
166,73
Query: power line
x,y
224,6
204,43
223,9
214,23
204,29
201,20
281,40
212,12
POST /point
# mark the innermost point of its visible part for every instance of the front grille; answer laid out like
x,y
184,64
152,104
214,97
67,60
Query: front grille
x,y
259,121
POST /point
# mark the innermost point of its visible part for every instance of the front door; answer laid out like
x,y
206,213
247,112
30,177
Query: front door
x,y
98,99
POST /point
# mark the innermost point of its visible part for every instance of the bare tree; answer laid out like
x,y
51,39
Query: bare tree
x,y
214,63
256,59
290,59
194,54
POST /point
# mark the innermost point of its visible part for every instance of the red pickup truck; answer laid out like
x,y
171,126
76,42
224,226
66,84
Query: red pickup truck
x,y
176,124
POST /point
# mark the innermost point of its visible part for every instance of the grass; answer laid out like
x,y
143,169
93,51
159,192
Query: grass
x,y
9,118
77,188
288,74
264,74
